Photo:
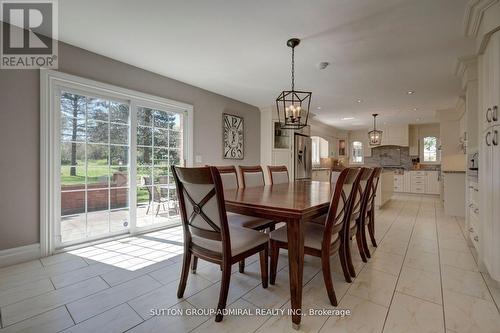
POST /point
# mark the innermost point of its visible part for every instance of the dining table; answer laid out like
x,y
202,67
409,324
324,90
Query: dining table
x,y
293,203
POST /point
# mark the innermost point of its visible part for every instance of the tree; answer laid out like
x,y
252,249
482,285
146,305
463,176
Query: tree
x,y
73,106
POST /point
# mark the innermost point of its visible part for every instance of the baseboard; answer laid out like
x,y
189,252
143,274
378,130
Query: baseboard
x,y
19,254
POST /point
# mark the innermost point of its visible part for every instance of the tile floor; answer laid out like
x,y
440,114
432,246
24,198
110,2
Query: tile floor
x,y
421,278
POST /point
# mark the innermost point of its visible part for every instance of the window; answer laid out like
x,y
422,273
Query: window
x,y
430,149
109,150
357,152
319,147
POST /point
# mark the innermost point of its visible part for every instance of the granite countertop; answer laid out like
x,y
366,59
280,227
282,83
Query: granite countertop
x,y
453,171
320,168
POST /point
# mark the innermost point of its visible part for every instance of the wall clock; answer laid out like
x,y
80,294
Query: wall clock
x,y
233,137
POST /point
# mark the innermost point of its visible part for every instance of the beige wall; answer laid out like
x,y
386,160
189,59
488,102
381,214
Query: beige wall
x,y
330,134
20,130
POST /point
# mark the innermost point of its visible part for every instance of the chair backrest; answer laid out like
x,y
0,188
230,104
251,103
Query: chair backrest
x,y
334,175
278,174
229,177
202,207
252,176
376,177
153,192
364,183
341,204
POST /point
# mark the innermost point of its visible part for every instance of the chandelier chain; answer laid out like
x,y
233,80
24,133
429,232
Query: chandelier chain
x,y
293,68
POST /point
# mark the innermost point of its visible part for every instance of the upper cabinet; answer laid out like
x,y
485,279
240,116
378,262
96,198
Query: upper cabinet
x,y
396,135
413,140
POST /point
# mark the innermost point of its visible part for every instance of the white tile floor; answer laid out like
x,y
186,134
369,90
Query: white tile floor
x,y
421,278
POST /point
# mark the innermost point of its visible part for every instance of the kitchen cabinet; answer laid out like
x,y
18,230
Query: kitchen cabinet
x,y
399,184
413,140
397,135
418,182
432,184
489,174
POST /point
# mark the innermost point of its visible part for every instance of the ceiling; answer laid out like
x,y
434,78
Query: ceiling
x,y
378,50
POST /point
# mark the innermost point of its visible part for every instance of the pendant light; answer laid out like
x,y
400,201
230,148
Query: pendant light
x,y
292,105
375,135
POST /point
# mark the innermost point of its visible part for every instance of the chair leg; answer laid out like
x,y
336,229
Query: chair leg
x,y
264,254
348,257
157,210
275,251
184,274
149,206
343,263
224,290
359,241
371,228
366,249
241,265
327,276
194,264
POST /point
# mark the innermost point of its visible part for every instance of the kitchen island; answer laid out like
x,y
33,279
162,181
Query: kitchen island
x,y
385,188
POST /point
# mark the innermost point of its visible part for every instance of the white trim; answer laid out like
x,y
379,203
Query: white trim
x,y
474,13
19,254
50,82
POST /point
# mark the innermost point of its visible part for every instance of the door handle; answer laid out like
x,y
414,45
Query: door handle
x,y
488,115
495,113
487,139
495,138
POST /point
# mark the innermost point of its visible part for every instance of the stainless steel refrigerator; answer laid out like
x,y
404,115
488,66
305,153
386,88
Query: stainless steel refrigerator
x,y
303,157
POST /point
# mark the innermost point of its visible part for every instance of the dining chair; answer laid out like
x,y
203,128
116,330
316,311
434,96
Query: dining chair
x,y
278,174
229,177
207,233
369,218
323,241
365,190
252,176
154,196
354,219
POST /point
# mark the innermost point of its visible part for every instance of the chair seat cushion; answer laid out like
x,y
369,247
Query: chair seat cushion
x,y
313,235
321,221
242,240
245,221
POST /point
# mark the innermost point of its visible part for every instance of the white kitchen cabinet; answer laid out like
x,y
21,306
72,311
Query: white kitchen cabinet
x,y
413,141
397,135
399,183
407,180
432,185
418,180
489,173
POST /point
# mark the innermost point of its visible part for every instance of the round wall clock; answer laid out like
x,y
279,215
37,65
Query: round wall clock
x,y
233,137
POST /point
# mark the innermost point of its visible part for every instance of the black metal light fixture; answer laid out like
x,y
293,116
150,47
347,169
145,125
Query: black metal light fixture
x,y
375,135
293,106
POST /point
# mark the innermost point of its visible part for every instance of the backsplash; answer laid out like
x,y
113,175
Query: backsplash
x,y
397,157
390,156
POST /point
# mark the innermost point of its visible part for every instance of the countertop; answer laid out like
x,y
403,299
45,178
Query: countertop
x,y
453,171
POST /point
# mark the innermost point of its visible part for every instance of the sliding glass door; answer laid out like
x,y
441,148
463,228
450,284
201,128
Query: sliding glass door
x,y
96,152
159,146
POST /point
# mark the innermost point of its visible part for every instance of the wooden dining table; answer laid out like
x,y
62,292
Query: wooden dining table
x,y
293,203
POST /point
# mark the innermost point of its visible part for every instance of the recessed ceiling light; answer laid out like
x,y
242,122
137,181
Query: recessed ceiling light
x,y
319,108
359,101
415,109
348,118
410,92
418,119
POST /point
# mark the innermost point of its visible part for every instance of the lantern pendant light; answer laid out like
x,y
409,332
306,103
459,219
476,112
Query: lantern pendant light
x,y
375,135
292,105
